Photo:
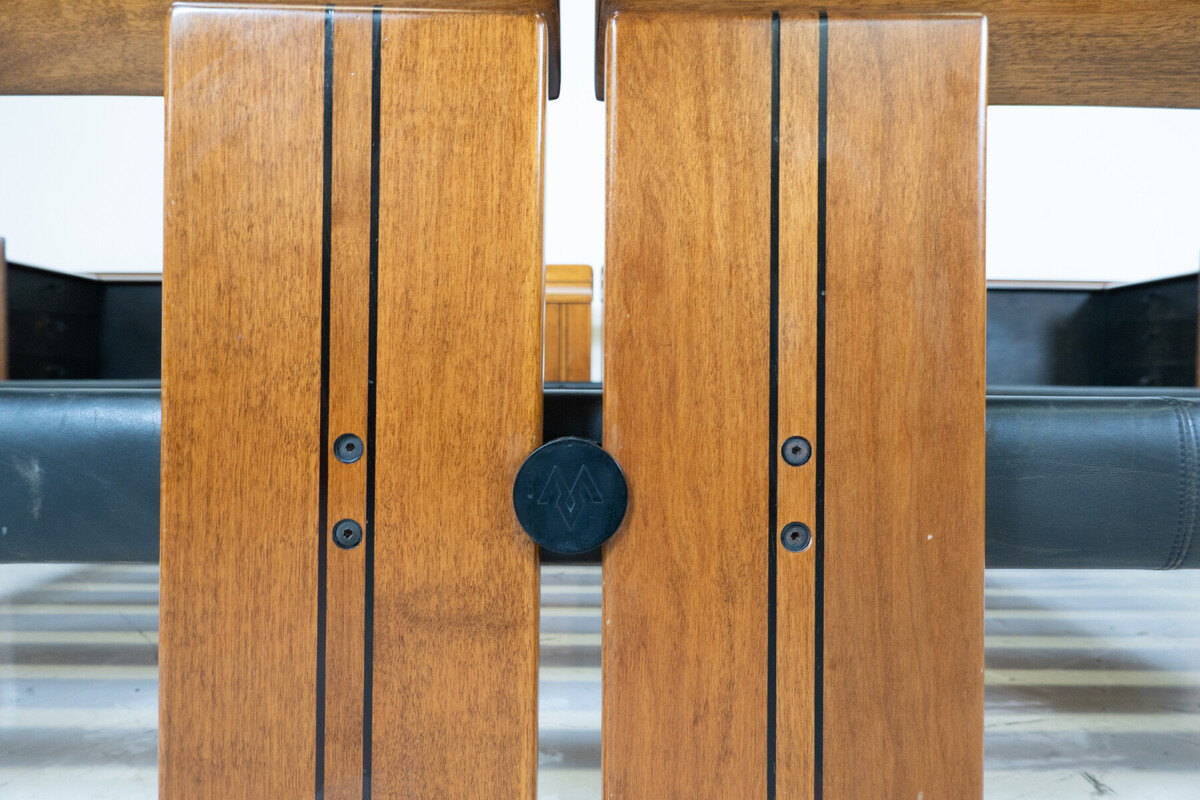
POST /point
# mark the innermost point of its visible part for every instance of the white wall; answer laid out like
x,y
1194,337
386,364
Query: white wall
x,y
1092,193
81,182
1073,194
575,144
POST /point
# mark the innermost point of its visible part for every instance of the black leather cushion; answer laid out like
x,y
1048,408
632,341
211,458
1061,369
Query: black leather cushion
x,y
1092,482
1079,481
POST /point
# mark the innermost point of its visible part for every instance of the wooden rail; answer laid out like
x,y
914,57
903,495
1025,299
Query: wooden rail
x,y
1040,52
1043,52
116,47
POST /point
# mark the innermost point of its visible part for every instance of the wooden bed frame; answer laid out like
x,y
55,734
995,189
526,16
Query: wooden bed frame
x,y
795,252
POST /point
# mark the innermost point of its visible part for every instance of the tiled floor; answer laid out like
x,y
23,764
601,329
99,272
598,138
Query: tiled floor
x,y
78,682
1093,684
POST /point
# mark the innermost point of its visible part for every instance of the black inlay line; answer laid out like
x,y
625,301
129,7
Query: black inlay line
x,y
819,589
773,435
323,491
372,331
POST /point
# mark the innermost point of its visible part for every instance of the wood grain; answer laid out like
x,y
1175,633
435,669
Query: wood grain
x,y
797,397
554,351
115,46
459,405
568,336
904,400
349,274
241,401
1040,52
1055,52
686,406
895,414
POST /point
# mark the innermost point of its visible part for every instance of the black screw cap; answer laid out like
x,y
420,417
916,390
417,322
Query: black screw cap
x,y
796,537
796,451
348,448
347,534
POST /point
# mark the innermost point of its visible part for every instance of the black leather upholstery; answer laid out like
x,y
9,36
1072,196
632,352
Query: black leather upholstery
x,y
1077,481
79,472
1093,482
1093,391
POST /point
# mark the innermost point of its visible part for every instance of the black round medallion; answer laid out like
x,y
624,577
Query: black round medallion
x,y
570,495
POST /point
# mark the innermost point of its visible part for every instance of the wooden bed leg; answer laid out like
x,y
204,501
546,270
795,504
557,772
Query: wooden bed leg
x,y
794,385
352,377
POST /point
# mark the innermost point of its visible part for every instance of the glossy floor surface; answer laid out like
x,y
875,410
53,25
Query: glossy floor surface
x,y
1093,684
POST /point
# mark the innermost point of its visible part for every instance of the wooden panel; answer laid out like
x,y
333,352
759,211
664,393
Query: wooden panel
x,y
568,283
852,668
1040,52
459,405
115,46
904,411
568,339
241,406
686,406
337,263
